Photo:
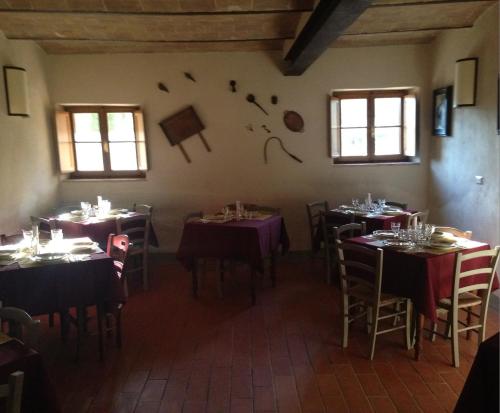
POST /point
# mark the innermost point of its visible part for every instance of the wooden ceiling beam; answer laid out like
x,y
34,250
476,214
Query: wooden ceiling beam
x,y
327,22
423,3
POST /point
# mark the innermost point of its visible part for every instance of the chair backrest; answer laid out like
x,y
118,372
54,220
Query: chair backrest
x,y
13,391
415,218
192,216
143,209
136,227
485,272
268,209
10,239
44,226
20,325
314,210
117,248
397,204
360,265
456,232
349,230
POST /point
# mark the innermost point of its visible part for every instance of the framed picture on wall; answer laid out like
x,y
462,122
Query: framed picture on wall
x,y
441,111
498,105
16,90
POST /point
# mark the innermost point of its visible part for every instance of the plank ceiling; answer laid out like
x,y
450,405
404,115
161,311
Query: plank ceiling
x,y
125,26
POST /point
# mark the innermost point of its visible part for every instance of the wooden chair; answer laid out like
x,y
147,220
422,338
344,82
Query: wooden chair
x,y
417,217
143,209
466,297
10,239
333,232
20,325
314,210
13,392
456,232
401,205
117,248
361,279
192,216
137,228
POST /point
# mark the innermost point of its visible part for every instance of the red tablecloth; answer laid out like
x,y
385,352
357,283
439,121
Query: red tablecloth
x,y
54,287
423,277
249,240
39,394
97,230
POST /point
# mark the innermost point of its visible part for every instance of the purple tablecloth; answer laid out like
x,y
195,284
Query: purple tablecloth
x,y
39,395
53,287
97,230
248,240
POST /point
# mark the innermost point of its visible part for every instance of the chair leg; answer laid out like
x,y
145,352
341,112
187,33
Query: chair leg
x,y
397,308
454,342
118,327
345,318
369,316
469,319
145,275
373,333
408,325
434,327
328,261
100,315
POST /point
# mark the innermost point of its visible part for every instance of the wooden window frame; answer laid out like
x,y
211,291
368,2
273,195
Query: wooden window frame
x,y
102,111
371,95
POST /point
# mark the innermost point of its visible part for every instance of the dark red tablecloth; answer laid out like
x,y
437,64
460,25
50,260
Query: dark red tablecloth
x,y
97,230
249,240
39,394
54,287
480,392
423,277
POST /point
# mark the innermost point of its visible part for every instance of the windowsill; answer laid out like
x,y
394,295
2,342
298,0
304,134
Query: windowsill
x,y
68,179
401,163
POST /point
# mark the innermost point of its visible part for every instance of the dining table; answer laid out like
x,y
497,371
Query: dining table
x,y
45,283
96,228
423,274
39,393
249,240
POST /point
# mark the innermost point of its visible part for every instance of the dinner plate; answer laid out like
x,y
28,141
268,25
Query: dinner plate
x,y
118,211
77,213
398,244
442,245
381,234
88,249
84,243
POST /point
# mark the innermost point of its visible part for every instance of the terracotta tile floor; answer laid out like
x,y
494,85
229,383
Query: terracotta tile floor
x,y
282,355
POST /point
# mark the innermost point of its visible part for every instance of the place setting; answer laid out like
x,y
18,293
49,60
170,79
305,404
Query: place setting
x,y
89,213
239,213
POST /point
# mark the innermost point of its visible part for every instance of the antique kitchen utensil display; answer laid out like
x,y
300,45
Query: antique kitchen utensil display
x,y
293,121
189,76
274,99
251,99
181,126
232,84
282,148
162,87
265,128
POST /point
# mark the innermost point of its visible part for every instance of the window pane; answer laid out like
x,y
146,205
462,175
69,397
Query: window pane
x,y
89,156
121,126
387,111
353,113
123,156
387,141
86,127
353,142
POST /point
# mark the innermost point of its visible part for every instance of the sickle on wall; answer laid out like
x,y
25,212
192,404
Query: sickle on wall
x,y
282,147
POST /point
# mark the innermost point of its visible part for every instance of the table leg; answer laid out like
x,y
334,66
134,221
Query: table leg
x,y
273,268
252,283
195,278
419,335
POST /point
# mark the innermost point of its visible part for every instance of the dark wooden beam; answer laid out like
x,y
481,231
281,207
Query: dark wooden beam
x,y
327,22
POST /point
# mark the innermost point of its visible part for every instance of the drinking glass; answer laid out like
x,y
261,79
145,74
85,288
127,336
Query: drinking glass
x,y
56,234
355,203
395,227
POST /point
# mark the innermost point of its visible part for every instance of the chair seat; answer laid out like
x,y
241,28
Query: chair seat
x,y
366,293
464,300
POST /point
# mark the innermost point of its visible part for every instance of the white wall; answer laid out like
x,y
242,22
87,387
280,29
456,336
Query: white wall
x,y
474,147
28,179
235,169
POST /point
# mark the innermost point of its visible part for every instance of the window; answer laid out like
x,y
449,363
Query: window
x,y
373,126
101,141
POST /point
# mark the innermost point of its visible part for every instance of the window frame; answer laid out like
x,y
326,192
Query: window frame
x,y
102,111
371,95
